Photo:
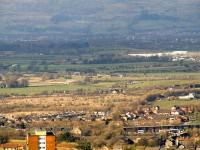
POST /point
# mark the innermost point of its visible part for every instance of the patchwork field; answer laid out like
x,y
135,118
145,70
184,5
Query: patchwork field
x,y
61,85
85,96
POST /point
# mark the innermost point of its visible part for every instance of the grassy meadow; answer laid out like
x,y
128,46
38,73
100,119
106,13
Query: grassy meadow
x,y
50,89
167,104
142,81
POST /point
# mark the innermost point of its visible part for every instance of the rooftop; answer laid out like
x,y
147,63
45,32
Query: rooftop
x,y
41,133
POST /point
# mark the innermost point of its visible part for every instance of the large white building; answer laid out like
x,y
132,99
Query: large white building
x,y
174,53
189,96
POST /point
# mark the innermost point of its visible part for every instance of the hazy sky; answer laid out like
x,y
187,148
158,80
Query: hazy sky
x,y
97,16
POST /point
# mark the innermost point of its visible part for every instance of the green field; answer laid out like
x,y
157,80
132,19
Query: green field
x,y
153,80
58,63
50,89
162,83
167,104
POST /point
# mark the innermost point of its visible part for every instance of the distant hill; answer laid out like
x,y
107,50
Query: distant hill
x,y
107,20
97,16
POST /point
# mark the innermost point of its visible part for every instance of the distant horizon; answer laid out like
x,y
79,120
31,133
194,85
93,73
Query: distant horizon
x,y
147,24
93,17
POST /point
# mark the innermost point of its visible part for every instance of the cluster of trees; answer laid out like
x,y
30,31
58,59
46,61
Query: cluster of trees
x,y
13,81
81,143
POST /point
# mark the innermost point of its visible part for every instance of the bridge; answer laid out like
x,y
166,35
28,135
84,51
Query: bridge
x,y
157,128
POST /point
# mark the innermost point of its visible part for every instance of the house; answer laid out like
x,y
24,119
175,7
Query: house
x,y
176,111
116,90
2,116
128,116
186,109
132,82
117,75
76,131
76,74
12,146
164,112
147,111
2,84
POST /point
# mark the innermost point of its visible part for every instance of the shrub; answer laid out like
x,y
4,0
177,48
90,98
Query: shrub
x,y
83,145
67,137
3,139
99,142
142,142
108,136
86,132
153,143
197,143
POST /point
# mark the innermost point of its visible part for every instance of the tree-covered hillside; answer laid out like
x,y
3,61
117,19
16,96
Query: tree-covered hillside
x,y
97,17
144,24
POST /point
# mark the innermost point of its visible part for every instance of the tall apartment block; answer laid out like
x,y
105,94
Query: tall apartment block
x,y
41,140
